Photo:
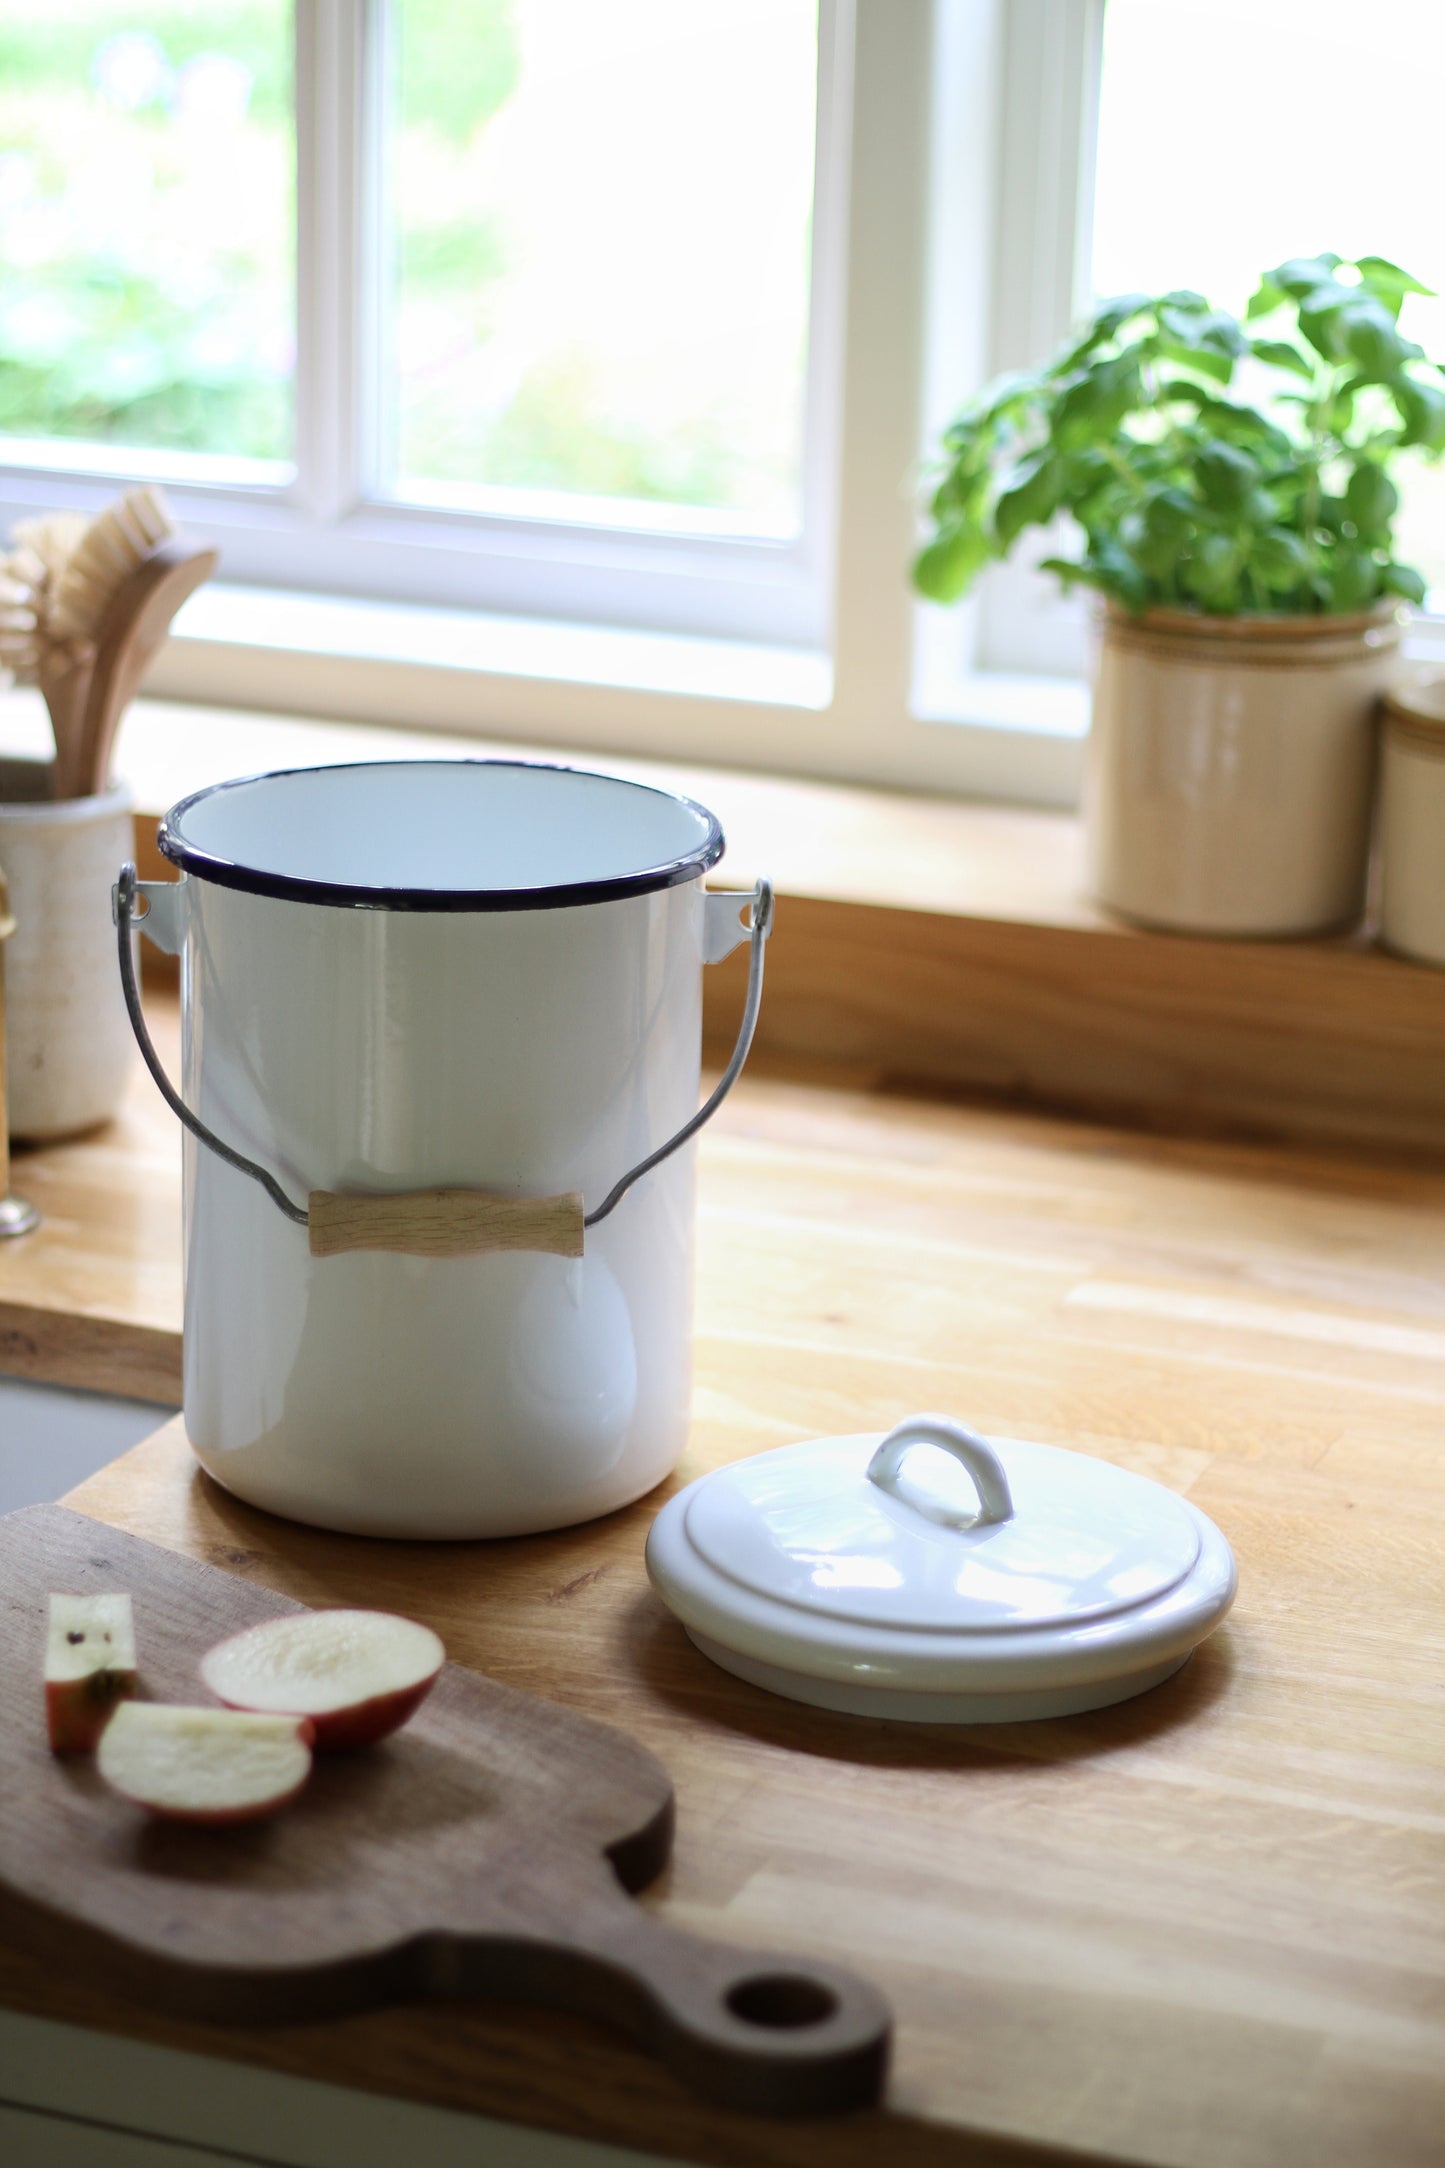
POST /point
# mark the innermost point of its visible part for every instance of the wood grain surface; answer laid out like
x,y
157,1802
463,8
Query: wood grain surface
x,y
1327,1042
484,1851
1203,1930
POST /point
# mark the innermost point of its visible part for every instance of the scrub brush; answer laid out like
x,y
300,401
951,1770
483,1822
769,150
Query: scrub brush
x,y
135,624
27,590
32,652
84,605
101,557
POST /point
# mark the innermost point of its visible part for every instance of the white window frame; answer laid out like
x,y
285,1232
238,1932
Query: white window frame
x,y
954,145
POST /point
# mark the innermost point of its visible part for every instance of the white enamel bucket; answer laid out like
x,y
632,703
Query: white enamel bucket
x,y
440,1057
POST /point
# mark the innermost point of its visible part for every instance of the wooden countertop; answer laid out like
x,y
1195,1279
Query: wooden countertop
x,y
1206,1929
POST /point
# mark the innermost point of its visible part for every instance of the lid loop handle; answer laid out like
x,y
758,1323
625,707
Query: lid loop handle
x,y
971,1452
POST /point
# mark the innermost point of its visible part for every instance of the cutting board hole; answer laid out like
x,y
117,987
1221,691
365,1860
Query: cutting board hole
x,y
781,2000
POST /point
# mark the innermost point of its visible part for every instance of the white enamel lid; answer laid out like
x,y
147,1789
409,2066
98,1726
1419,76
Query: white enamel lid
x,y
1006,1580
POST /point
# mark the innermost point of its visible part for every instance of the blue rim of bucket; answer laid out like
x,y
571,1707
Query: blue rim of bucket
x,y
252,881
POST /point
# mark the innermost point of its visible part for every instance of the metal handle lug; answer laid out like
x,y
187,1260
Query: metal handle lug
x,y
163,916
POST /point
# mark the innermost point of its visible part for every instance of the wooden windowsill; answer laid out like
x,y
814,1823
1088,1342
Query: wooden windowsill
x,y
928,942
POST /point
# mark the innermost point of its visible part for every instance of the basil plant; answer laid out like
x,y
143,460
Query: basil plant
x,y
1208,463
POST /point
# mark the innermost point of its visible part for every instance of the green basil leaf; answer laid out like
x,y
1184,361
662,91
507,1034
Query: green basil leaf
x,y
1245,425
1091,409
959,499
1219,329
1354,579
1301,275
1266,298
1156,553
1066,570
1225,475
1422,410
1371,339
1212,572
1206,359
1388,281
1371,498
1032,502
1117,312
1380,267
1281,355
1008,393
1170,513
947,568
1118,573
1216,329
1322,325
1108,319
1403,580
1183,387
1280,559
1340,412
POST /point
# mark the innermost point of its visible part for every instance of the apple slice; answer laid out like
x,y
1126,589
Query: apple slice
x,y
89,1667
204,1765
356,1674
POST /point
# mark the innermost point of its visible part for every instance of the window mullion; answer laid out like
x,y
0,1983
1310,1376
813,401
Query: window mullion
x,y
1041,283
827,289
1051,88
331,45
883,350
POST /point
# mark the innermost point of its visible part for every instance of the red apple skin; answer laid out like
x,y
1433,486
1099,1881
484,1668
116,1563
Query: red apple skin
x,y
346,1731
78,1710
226,1817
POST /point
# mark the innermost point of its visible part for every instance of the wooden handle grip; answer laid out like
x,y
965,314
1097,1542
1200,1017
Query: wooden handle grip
x,y
755,2030
443,1223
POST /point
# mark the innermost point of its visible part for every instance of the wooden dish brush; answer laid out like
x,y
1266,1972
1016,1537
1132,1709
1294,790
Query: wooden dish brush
x,y
84,606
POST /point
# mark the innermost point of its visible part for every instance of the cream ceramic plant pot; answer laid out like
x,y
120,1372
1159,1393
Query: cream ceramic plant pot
x,y
69,1052
1231,769
1412,822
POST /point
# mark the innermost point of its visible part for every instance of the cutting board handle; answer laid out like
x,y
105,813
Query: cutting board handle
x,y
754,2030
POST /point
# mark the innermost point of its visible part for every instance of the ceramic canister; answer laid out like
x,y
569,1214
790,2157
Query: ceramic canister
x,y
1412,821
1231,766
439,976
70,1057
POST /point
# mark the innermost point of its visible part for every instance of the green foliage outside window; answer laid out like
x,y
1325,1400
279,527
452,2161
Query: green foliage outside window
x,y
146,216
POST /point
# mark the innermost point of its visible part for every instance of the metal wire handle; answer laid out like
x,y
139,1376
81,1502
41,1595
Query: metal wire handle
x,y
760,925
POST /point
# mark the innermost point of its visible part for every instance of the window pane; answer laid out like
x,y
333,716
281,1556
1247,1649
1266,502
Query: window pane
x,y
1236,133
602,227
147,162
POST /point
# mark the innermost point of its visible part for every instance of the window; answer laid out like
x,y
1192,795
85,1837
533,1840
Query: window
x,y
594,348
467,410
553,298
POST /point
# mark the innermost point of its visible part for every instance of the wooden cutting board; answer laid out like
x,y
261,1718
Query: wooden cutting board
x,y
485,1850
